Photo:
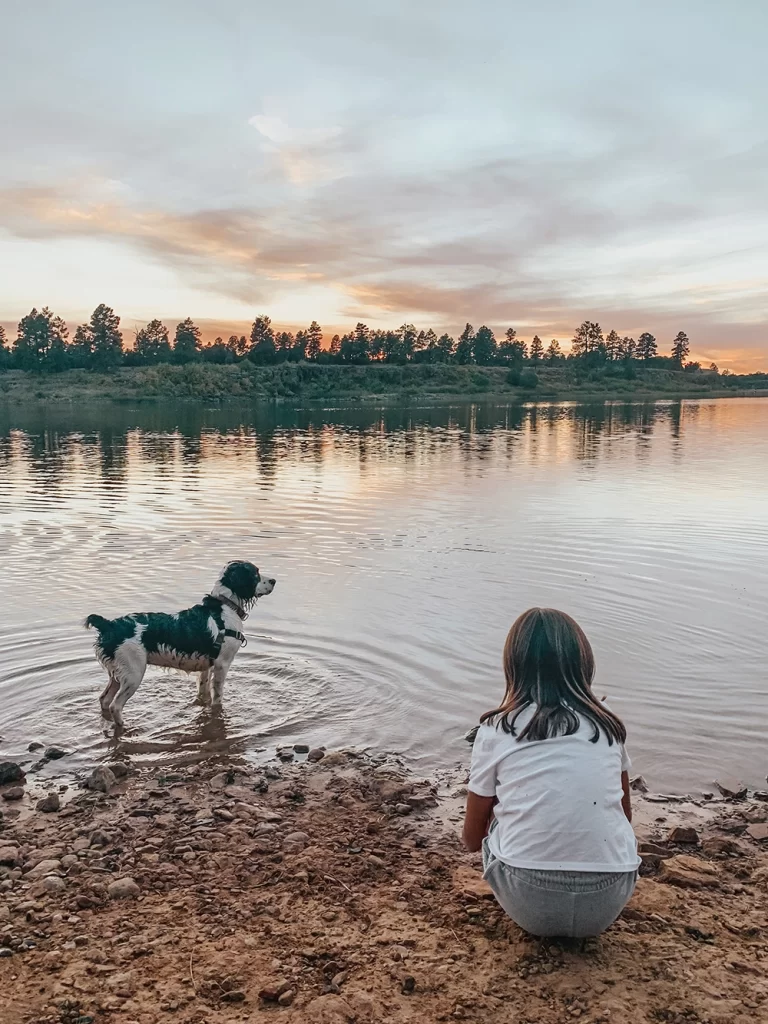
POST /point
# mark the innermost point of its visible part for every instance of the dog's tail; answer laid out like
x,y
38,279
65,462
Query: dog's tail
x,y
96,622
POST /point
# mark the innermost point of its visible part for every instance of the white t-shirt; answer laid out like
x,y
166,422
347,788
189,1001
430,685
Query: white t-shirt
x,y
559,800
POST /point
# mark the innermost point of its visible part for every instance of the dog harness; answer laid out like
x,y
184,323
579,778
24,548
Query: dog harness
x,y
230,632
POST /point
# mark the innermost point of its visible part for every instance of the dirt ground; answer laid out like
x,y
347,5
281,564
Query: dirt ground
x,y
337,892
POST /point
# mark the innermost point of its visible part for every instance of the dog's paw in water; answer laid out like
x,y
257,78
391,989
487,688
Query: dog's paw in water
x,y
471,736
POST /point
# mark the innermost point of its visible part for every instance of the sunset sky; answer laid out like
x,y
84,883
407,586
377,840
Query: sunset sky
x,y
436,162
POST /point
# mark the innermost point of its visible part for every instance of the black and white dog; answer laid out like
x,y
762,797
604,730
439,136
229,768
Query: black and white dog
x,y
204,638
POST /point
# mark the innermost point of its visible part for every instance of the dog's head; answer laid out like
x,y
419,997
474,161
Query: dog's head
x,y
245,582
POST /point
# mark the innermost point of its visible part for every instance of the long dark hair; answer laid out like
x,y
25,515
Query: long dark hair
x,y
548,662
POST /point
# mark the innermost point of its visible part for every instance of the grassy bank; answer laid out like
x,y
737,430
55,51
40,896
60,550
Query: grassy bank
x,y
312,382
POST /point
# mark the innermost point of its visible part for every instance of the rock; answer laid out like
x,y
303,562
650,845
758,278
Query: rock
x,y
684,834
408,984
638,784
718,846
235,995
43,867
403,809
471,884
101,779
760,794
376,862
9,856
10,772
285,753
301,748
758,832
421,801
54,884
14,793
295,842
689,873
49,803
731,788
123,889
223,814
272,991
287,997
119,769
316,754
471,736
654,849
34,746
54,754
99,838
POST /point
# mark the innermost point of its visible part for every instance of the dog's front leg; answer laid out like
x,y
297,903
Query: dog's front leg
x,y
219,676
203,687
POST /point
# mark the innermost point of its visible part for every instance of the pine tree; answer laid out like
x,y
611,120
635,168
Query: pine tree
x,y
612,346
445,348
646,347
262,349
554,354
335,347
299,349
5,351
238,346
588,340
314,341
537,349
680,348
41,342
81,350
152,343
465,346
628,349
484,348
58,354
406,343
186,343
106,339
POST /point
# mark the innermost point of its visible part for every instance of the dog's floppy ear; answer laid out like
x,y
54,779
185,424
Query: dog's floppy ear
x,y
242,578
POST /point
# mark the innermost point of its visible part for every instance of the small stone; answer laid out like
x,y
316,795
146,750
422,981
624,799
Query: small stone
x,y
54,754
295,842
316,754
638,784
53,884
731,788
223,814
285,753
760,794
376,862
122,889
233,996
758,832
408,984
101,779
99,838
34,746
273,773
301,748
49,803
119,769
44,867
4,951
10,772
287,997
471,736
272,991
719,846
683,834
9,856
403,809
14,793
689,873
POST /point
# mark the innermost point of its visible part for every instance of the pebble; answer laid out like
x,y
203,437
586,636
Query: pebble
x,y
301,748
14,793
235,996
287,997
43,867
119,769
9,855
295,842
638,784
758,831
272,991
49,803
316,754
34,746
101,779
689,873
122,889
403,809
10,772
54,884
99,838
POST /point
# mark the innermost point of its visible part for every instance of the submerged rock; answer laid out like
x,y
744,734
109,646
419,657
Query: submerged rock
x,y
731,788
54,754
101,779
10,772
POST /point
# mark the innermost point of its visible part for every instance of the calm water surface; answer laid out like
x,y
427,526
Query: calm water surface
x,y
405,541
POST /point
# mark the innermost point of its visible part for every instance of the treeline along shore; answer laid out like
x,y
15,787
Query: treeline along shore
x,y
44,363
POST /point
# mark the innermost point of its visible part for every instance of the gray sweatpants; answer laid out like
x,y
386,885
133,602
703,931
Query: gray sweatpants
x,y
565,904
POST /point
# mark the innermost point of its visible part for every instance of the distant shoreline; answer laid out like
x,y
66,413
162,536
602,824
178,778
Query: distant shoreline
x,y
355,385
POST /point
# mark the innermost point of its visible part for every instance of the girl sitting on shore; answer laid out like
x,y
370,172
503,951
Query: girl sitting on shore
x,y
548,795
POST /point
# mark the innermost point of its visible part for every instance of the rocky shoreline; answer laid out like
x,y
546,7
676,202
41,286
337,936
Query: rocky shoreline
x,y
333,890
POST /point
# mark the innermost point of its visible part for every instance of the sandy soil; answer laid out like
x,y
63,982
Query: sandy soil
x,y
337,893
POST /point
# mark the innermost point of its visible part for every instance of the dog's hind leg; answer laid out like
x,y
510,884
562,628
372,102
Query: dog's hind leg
x,y
219,677
131,664
110,690
203,687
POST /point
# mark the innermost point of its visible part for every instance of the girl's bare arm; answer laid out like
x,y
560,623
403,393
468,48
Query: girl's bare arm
x,y
477,820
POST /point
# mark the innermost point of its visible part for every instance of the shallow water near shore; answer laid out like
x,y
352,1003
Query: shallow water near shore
x,y
405,540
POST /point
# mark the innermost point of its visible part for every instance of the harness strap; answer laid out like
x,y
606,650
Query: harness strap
x,y
236,634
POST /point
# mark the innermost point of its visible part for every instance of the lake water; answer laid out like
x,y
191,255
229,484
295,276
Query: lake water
x,y
405,541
